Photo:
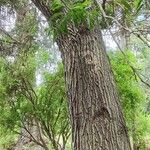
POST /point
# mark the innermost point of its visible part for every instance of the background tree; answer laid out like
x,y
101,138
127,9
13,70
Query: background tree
x,y
23,101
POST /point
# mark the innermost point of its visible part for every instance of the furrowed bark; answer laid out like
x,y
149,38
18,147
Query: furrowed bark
x,y
96,117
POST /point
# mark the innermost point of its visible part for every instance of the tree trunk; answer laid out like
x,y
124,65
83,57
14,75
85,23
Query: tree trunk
x,y
96,116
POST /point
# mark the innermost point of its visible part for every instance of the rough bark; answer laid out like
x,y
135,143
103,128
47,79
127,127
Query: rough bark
x,y
96,117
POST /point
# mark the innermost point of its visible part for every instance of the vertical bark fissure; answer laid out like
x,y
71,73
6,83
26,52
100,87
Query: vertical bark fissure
x,y
96,117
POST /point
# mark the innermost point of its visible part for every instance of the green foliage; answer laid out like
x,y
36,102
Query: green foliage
x,y
138,5
79,13
12,80
86,14
20,99
52,104
6,140
133,97
124,72
57,6
43,57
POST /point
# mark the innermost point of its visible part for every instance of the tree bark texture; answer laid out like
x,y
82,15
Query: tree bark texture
x,y
96,116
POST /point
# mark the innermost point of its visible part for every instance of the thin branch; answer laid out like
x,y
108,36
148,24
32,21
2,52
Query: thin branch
x,y
133,69
33,138
118,23
8,35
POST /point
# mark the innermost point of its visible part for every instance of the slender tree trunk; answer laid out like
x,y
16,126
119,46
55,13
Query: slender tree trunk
x,y
96,117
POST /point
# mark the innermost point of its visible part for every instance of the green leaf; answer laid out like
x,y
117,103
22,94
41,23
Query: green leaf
x,y
138,5
57,5
125,5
